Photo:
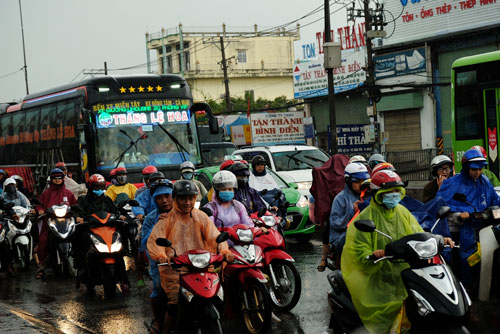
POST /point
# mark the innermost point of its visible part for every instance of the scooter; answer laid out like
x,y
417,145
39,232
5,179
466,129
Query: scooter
x,y
245,279
278,265
62,226
436,303
201,296
19,237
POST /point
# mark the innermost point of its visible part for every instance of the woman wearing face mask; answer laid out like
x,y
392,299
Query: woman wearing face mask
x,y
226,210
377,290
187,173
121,186
12,195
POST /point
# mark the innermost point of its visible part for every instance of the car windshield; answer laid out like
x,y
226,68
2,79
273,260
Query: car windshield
x,y
213,155
282,184
295,160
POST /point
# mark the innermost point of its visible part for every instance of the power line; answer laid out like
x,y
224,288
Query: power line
x,y
6,75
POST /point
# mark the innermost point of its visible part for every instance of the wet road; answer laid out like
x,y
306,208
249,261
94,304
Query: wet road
x,y
28,305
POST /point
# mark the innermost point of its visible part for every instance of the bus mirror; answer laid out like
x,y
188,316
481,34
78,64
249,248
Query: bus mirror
x,y
202,107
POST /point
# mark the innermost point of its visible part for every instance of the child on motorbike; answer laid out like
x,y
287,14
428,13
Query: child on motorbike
x,y
187,228
377,290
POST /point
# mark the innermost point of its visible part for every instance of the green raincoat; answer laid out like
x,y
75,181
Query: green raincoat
x,y
377,290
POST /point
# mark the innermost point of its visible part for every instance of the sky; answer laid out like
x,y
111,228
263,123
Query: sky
x,y
63,37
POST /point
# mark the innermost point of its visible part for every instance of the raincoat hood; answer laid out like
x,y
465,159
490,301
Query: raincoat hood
x,y
381,192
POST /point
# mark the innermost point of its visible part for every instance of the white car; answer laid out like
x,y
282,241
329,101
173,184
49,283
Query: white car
x,y
293,163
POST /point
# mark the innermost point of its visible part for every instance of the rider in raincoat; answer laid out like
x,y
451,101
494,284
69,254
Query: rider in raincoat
x,y
377,290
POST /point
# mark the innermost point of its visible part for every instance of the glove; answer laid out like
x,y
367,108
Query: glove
x,y
229,257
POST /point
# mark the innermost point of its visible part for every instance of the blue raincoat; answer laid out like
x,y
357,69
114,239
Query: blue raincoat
x,y
341,213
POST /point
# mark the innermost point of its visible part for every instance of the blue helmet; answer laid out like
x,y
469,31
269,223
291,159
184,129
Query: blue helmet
x,y
474,159
56,172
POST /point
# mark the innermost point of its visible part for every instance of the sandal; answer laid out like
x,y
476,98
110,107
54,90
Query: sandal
x,y
39,274
322,265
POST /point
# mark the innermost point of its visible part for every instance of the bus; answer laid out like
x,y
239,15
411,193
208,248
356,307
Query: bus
x,y
475,106
99,123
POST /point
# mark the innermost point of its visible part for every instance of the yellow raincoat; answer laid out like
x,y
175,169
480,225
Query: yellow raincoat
x,y
114,190
377,290
186,232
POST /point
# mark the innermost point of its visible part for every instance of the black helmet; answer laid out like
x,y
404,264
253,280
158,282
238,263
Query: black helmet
x,y
156,176
239,169
184,188
258,160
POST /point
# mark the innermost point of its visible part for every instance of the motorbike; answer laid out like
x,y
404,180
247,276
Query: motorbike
x,y
278,265
201,296
245,279
132,228
19,237
62,226
436,303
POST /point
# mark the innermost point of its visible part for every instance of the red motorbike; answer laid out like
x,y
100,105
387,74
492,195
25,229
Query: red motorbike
x,y
200,295
244,277
278,265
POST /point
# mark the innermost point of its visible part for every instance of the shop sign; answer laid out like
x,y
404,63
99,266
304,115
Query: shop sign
x,y
277,128
352,138
400,63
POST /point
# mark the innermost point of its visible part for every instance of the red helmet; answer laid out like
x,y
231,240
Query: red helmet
x,y
148,170
477,148
385,179
226,164
60,164
121,170
96,179
113,172
383,166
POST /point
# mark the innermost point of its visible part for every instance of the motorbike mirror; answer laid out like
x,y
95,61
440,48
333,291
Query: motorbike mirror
x,y
365,225
208,211
133,202
163,242
262,212
286,205
223,236
460,197
443,211
121,204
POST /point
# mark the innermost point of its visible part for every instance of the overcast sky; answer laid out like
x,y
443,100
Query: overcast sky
x,y
63,37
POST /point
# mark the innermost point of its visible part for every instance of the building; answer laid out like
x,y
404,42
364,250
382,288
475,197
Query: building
x,y
259,63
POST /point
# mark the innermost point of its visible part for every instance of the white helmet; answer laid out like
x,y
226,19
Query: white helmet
x,y
357,158
186,165
439,161
224,179
356,172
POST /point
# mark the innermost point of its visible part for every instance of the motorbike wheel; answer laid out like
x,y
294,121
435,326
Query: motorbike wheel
x,y
287,294
109,283
258,315
24,257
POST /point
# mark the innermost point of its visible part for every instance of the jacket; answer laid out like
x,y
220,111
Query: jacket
x,y
55,196
116,189
250,198
91,203
341,213
17,198
229,216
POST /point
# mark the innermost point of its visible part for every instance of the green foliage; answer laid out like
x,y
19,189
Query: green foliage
x,y
240,104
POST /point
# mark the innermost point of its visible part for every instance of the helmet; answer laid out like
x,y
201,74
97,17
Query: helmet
x,y
239,169
258,160
162,186
96,179
9,180
226,164
17,178
56,172
120,170
382,166
224,179
61,165
113,172
375,159
355,172
357,158
3,172
156,176
184,188
480,149
186,165
148,170
474,159
385,179
439,161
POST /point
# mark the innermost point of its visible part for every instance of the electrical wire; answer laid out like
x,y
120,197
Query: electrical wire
x,y
6,75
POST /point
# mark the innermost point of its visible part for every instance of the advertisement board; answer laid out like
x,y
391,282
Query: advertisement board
x,y
419,20
400,63
353,139
277,128
241,135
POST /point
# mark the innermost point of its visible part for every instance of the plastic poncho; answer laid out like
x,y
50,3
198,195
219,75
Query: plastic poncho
x,y
492,177
116,189
340,214
377,290
261,182
186,231
250,198
17,198
146,204
232,215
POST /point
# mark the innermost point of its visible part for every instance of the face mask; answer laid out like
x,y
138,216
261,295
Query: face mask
x,y
99,192
187,176
391,200
10,190
122,179
243,180
226,196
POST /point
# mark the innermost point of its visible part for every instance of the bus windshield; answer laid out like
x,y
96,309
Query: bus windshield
x,y
163,135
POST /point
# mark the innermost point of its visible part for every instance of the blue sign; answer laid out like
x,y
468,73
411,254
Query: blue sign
x,y
400,63
351,139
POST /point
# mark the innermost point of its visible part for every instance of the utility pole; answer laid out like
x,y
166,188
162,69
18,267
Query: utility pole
x,y
226,80
105,68
331,87
181,41
24,50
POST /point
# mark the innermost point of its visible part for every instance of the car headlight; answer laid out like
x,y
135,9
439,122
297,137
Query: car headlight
x,y
303,202
269,221
199,260
424,249
245,235
304,185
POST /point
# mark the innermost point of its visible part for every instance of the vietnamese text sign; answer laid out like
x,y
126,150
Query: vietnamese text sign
x,y
400,63
351,139
420,20
277,128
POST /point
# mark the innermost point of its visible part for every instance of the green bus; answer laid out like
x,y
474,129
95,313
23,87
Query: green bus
x,y
475,105
98,123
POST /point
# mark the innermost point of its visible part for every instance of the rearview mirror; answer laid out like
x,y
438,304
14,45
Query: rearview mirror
x,y
262,212
208,211
365,225
460,197
133,202
443,212
223,236
163,242
293,185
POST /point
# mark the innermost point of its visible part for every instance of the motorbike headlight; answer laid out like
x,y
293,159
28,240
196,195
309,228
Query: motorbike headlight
x,y
60,211
304,185
244,235
424,249
423,306
269,221
303,202
116,246
100,246
200,260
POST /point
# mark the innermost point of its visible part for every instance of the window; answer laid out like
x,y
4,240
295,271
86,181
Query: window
x,y
468,111
242,56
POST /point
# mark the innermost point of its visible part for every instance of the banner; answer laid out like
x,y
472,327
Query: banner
x,y
353,139
277,128
241,134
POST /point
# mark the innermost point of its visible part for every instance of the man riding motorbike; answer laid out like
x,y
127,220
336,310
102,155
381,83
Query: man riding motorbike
x,y
146,204
146,172
187,173
122,185
244,193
